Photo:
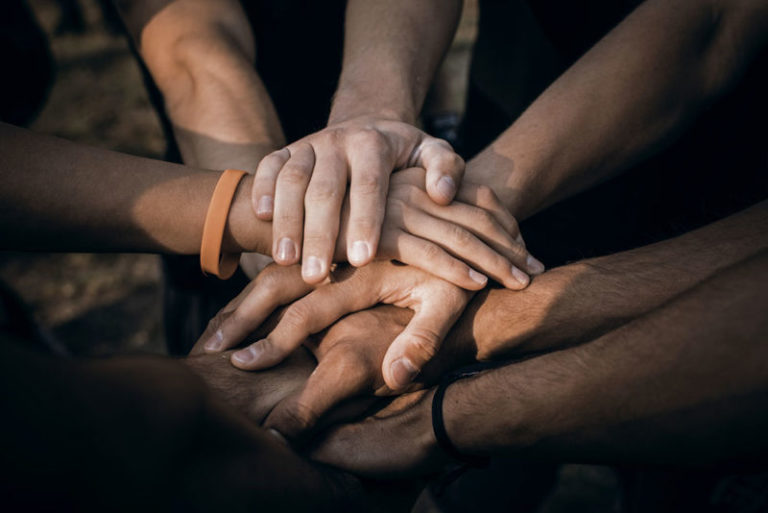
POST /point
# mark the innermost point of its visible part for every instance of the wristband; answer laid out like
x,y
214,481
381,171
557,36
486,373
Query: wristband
x,y
438,422
212,260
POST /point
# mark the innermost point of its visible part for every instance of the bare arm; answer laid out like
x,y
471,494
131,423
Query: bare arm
x,y
391,53
623,100
686,383
683,384
62,196
201,54
585,299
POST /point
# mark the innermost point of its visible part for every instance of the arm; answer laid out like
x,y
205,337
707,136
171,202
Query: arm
x,y
623,100
391,52
201,54
580,301
61,196
684,384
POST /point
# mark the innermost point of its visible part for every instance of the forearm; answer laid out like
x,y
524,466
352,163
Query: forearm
x,y
61,196
201,55
686,383
626,98
580,301
391,53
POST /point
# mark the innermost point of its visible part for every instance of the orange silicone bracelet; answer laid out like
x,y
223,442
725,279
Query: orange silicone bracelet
x,y
212,260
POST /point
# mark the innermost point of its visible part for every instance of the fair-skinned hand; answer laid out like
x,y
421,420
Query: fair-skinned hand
x,y
475,232
436,304
302,187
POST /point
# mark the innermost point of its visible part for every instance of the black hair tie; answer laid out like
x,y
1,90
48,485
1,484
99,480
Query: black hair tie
x,y
438,421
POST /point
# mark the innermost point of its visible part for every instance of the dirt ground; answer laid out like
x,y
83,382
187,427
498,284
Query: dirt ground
x,y
109,303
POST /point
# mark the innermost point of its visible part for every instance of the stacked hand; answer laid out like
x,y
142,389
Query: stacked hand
x,y
302,189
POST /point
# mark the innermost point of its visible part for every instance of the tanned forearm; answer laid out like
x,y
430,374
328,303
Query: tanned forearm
x,y
626,98
61,196
580,301
391,52
686,383
201,54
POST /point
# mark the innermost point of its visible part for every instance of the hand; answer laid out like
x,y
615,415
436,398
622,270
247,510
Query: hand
x,y
435,302
443,240
349,356
397,441
302,187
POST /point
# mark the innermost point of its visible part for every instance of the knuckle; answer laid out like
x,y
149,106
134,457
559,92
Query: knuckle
x,y
293,176
461,237
433,252
370,139
297,315
298,417
423,343
322,190
486,198
367,183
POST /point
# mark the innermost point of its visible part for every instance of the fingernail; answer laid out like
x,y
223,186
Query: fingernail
x,y
265,205
286,250
359,252
278,435
520,276
446,187
312,267
403,372
248,355
534,265
477,277
215,342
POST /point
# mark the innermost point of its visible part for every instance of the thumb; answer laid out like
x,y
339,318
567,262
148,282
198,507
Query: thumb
x,y
445,169
417,343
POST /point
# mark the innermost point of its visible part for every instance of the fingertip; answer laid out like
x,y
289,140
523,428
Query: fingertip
x,y
285,252
402,372
215,343
443,190
519,280
313,270
534,265
264,207
359,253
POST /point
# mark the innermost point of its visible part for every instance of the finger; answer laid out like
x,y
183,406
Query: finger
x,y
311,314
263,190
288,218
337,377
483,197
433,259
274,287
323,210
474,235
445,169
420,340
371,163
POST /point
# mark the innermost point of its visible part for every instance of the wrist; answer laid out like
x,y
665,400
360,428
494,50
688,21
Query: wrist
x,y
481,422
544,315
356,102
245,232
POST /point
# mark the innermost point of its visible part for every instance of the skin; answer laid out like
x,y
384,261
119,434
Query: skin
x,y
77,198
660,67
201,54
555,312
672,385
146,430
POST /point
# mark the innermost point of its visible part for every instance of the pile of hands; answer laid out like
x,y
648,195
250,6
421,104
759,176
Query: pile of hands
x,y
413,246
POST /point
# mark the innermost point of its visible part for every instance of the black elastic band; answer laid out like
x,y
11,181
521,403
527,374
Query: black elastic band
x,y
438,422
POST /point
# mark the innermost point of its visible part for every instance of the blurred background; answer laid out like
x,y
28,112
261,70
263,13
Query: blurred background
x,y
98,304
